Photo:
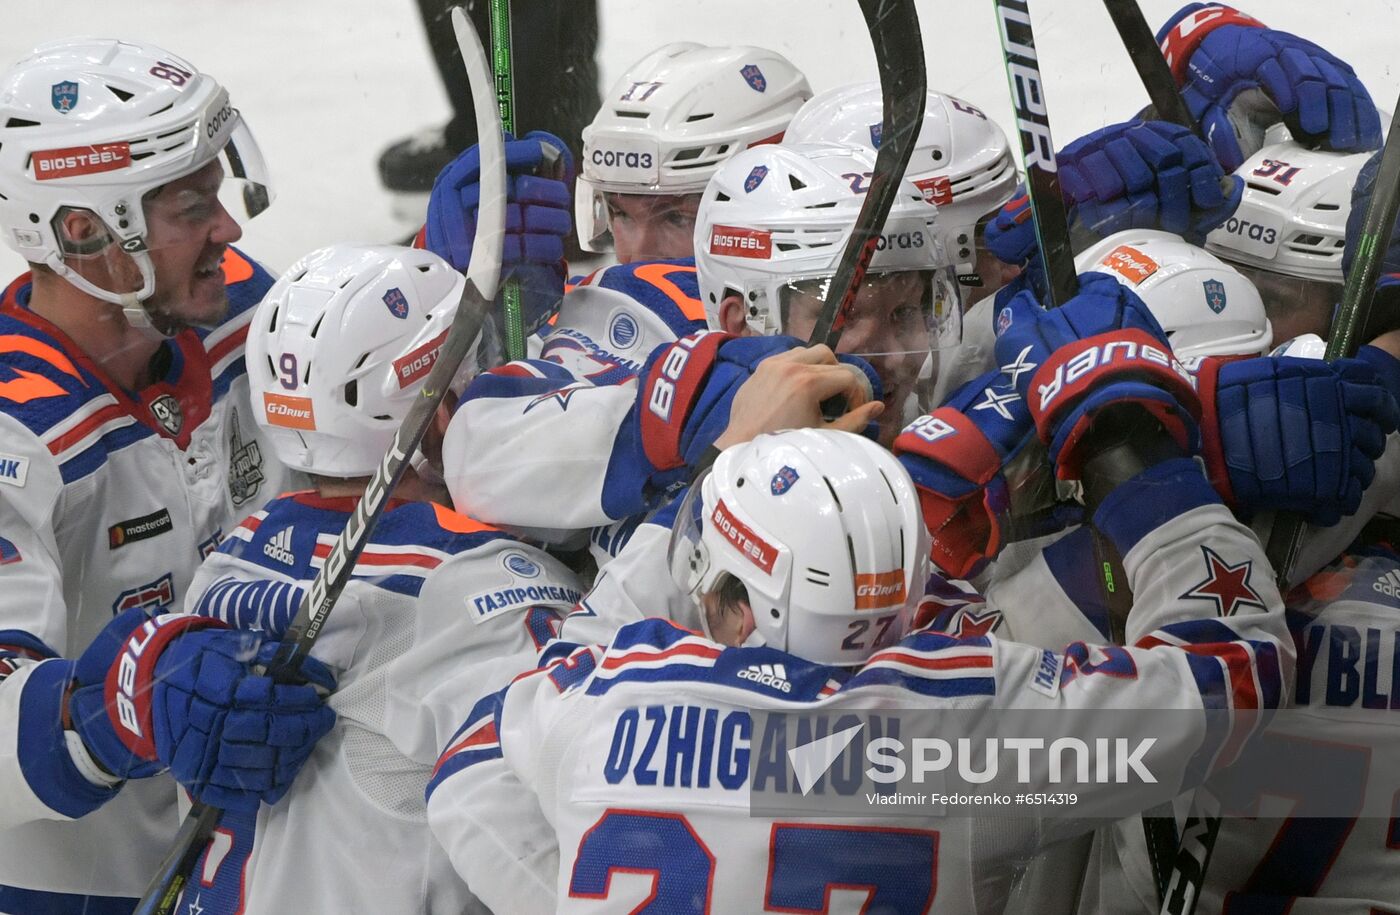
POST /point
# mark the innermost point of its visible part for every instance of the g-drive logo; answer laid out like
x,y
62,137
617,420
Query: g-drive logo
x,y
1000,760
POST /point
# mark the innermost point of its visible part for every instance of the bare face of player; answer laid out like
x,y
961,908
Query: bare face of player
x,y
887,327
187,232
651,227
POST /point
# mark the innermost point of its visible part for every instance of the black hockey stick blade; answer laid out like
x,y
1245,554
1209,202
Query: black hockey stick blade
x,y
1037,148
1151,66
1358,296
899,56
163,893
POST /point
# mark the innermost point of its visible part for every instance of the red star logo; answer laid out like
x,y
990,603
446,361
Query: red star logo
x,y
1227,585
971,625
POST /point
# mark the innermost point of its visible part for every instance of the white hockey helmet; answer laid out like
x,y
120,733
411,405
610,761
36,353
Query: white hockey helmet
x,y
341,345
1207,307
824,531
962,161
774,221
1293,217
90,124
674,117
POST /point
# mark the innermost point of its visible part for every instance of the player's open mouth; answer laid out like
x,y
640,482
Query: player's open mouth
x,y
209,269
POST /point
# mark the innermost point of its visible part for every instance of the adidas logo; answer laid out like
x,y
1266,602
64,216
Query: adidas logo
x,y
1389,584
280,547
774,675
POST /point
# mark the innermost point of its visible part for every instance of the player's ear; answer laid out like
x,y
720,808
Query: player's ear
x,y
731,316
431,445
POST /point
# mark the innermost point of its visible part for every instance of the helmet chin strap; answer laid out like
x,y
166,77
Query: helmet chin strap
x,y
132,303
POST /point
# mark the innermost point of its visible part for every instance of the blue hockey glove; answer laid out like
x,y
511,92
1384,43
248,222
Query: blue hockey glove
x,y
686,389
1134,175
955,456
179,691
1146,175
1101,347
539,216
1216,53
1300,435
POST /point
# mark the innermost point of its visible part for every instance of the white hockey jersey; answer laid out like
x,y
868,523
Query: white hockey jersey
x,y
674,829
541,443
1281,856
441,609
108,500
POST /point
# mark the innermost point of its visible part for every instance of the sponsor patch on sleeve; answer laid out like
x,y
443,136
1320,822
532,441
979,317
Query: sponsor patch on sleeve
x,y
14,470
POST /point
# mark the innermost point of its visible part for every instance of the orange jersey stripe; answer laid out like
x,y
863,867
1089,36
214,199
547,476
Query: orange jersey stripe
x,y
657,275
457,522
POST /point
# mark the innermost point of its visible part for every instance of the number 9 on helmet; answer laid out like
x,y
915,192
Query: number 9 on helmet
x,y
816,534
340,347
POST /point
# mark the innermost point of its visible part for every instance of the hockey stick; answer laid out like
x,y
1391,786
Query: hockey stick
x,y
483,276
1052,235
1149,63
899,56
1037,148
502,59
1158,824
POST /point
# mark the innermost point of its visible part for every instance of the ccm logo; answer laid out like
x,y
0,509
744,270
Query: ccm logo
x,y
81,160
737,242
617,159
663,390
289,412
1104,354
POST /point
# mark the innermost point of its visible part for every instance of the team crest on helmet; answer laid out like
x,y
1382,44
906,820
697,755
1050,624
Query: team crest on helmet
x,y
1215,295
65,97
876,135
397,303
166,410
755,178
783,480
754,77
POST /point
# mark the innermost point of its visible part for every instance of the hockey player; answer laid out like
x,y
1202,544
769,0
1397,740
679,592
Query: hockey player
x,y
665,126
627,455
1289,233
780,581
961,161
441,605
130,450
